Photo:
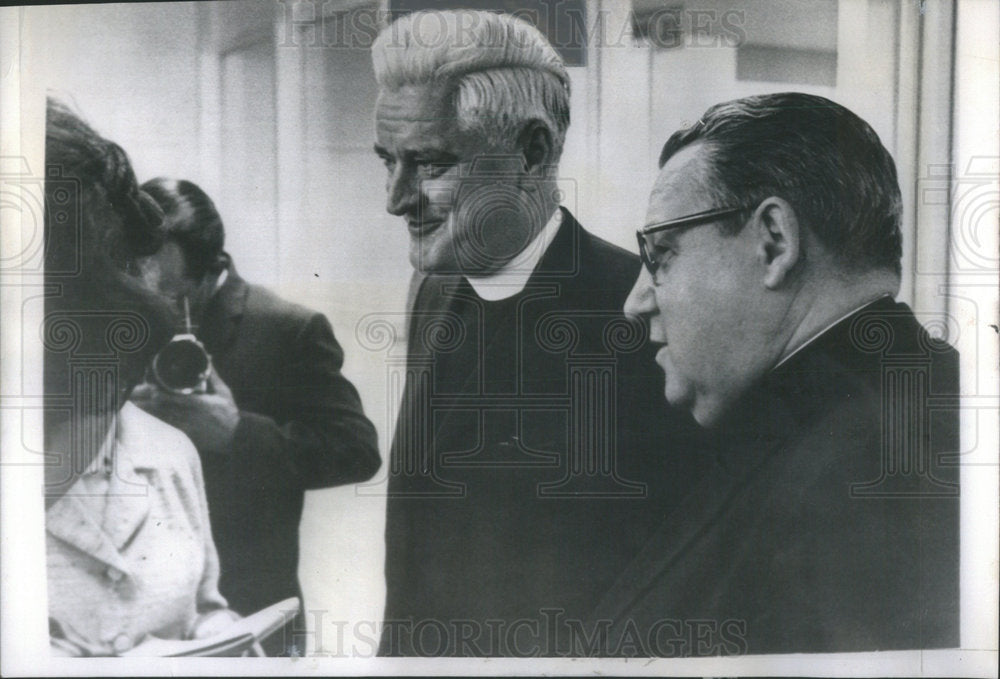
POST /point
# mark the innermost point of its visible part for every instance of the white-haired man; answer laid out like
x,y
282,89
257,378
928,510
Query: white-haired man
x,y
518,484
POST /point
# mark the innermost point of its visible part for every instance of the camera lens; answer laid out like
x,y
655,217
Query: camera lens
x,y
182,364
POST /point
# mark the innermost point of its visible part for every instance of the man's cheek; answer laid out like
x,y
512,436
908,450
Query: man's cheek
x,y
439,195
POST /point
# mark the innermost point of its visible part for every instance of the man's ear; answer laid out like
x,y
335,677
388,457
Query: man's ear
x,y
219,265
536,144
202,293
779,240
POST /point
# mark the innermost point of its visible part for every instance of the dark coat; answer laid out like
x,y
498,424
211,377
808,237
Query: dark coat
x,y
301,427
830,519
533,455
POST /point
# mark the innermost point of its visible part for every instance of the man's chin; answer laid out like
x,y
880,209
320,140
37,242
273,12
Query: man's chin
x,y
707,413
685,399
426,258
704,419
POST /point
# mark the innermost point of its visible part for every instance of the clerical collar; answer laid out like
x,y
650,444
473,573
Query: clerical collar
x,y
514,275
824,330
220,280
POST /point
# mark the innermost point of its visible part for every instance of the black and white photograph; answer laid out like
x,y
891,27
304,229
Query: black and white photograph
x,y
500,337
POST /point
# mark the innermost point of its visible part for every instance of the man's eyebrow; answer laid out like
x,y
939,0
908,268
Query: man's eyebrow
x,y
438,155
380,150
665,237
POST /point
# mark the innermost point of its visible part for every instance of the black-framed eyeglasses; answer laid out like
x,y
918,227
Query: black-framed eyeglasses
x,y
697,219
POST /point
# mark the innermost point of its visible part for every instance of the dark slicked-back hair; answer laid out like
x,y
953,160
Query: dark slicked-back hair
x,y
191,220
823,159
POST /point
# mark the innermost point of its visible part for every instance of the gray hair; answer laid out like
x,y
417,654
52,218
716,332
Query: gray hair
x,y
503,71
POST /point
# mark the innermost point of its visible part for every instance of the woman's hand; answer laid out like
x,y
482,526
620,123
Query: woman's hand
x,y
213,622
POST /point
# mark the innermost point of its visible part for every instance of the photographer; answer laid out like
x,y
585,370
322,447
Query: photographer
x,y
274,416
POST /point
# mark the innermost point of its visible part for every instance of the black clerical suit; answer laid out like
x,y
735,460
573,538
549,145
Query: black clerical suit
x,y
533,455
830,518
301,427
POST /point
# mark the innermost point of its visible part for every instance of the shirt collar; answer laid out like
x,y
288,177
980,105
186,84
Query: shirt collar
x,y
514,275
830,325
120,450
220,280
104,461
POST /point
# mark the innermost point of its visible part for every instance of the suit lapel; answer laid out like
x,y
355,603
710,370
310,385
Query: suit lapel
x,y
433,299
563,258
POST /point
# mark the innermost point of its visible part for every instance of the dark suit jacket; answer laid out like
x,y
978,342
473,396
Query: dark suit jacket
x,y
301,427
522,477
829,521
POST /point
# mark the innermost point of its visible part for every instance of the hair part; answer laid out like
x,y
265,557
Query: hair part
x,y
192,221
499,70
827,162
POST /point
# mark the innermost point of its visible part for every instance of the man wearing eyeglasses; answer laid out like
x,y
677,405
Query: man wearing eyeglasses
x,y
829,521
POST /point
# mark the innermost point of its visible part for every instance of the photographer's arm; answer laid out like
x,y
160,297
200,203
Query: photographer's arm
x,y
317,435
322,437
209,420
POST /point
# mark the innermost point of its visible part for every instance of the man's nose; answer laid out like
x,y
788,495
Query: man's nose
x,y
402,191
641,300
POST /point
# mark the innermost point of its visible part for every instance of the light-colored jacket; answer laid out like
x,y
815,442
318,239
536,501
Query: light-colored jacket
x,y
130,552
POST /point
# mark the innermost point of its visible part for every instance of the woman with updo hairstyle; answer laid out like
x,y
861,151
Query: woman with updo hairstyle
x,y
129,548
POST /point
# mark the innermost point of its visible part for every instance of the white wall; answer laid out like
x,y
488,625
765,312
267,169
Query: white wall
x,y
131,70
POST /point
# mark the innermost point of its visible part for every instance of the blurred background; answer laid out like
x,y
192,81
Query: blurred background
x,y
268,106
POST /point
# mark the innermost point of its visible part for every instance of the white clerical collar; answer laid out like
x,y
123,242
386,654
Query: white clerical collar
x,y
514,275
220,280
824,330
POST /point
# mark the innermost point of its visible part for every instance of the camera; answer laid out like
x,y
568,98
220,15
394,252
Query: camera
x,y
970,198
28,205
490,200
182,367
